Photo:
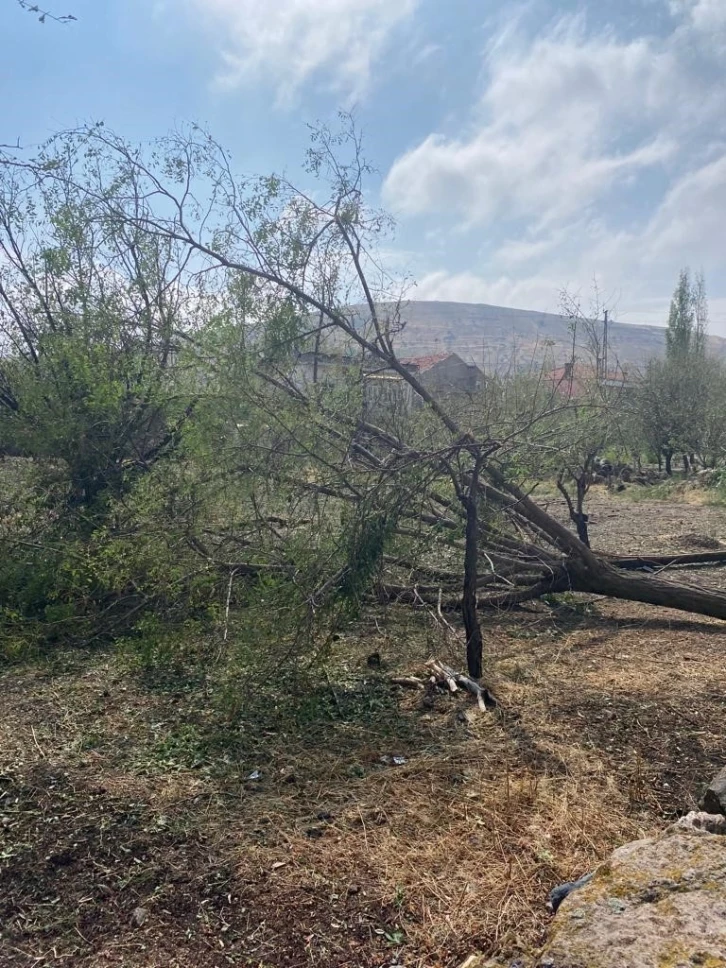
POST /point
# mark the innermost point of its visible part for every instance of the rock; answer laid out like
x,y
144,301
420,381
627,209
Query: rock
x,y
139,917
656,902
714,799
706,823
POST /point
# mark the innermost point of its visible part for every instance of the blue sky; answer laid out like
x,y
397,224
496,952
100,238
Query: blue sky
x,y
523,148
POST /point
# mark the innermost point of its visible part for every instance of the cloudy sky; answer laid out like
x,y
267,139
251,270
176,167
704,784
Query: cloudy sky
x,y
523,148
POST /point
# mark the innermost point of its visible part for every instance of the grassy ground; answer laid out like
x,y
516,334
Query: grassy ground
x,y
137,829
688,490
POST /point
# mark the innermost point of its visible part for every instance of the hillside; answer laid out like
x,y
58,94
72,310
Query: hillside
x,y
499,336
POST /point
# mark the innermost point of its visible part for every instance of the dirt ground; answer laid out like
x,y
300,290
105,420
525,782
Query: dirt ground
x,y
387,828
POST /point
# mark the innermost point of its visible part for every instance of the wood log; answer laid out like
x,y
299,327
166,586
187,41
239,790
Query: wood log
x,y
644,562
443,672
608,581
407,682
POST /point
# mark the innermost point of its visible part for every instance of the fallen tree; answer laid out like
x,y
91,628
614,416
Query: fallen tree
x,y
434,503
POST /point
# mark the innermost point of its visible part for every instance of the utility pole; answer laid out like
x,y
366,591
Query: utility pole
x,y
605,348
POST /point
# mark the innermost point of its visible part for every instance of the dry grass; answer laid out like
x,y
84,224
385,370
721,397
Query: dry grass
x,y
115,796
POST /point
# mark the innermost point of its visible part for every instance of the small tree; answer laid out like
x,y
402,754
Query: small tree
x,y
713,438
88,316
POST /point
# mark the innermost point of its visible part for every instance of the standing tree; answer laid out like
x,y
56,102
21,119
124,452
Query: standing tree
x,y
700,315
674,392
89,313
681,319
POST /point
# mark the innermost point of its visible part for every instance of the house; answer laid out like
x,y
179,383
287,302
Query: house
x,y
440,373
571,380
445,373
385,392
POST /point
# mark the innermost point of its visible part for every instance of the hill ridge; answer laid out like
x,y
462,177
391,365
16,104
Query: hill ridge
x,y
498,337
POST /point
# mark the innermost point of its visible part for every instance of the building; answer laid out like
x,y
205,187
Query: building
x,y
442,373
445,373
572,380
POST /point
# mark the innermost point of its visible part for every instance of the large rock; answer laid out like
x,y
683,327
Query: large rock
x,y
657,903
714,799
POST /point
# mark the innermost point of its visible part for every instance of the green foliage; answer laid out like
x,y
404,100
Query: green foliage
x,y
367,537
680,400
87,310
681,320
202,501
679,408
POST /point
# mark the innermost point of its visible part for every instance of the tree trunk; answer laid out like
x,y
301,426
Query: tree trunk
x,y
637,562
474,645
651,591
686,466
668,454
581,519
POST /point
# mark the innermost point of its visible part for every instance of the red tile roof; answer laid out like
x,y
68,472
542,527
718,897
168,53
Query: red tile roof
x,y
570,383
423,363
573,383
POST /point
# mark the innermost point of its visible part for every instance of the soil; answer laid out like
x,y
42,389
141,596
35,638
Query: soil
x,y
382,827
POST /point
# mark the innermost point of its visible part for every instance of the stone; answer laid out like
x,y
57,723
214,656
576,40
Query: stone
x,y
707,823
714,799
657,903
139,917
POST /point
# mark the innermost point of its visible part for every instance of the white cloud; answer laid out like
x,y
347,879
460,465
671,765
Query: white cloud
x,y
630,266
425,53
290,42
588,157
703,14
561,121
539,292
689,222
516,252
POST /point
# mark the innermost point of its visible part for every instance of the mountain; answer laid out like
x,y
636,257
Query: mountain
x,y
500,337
